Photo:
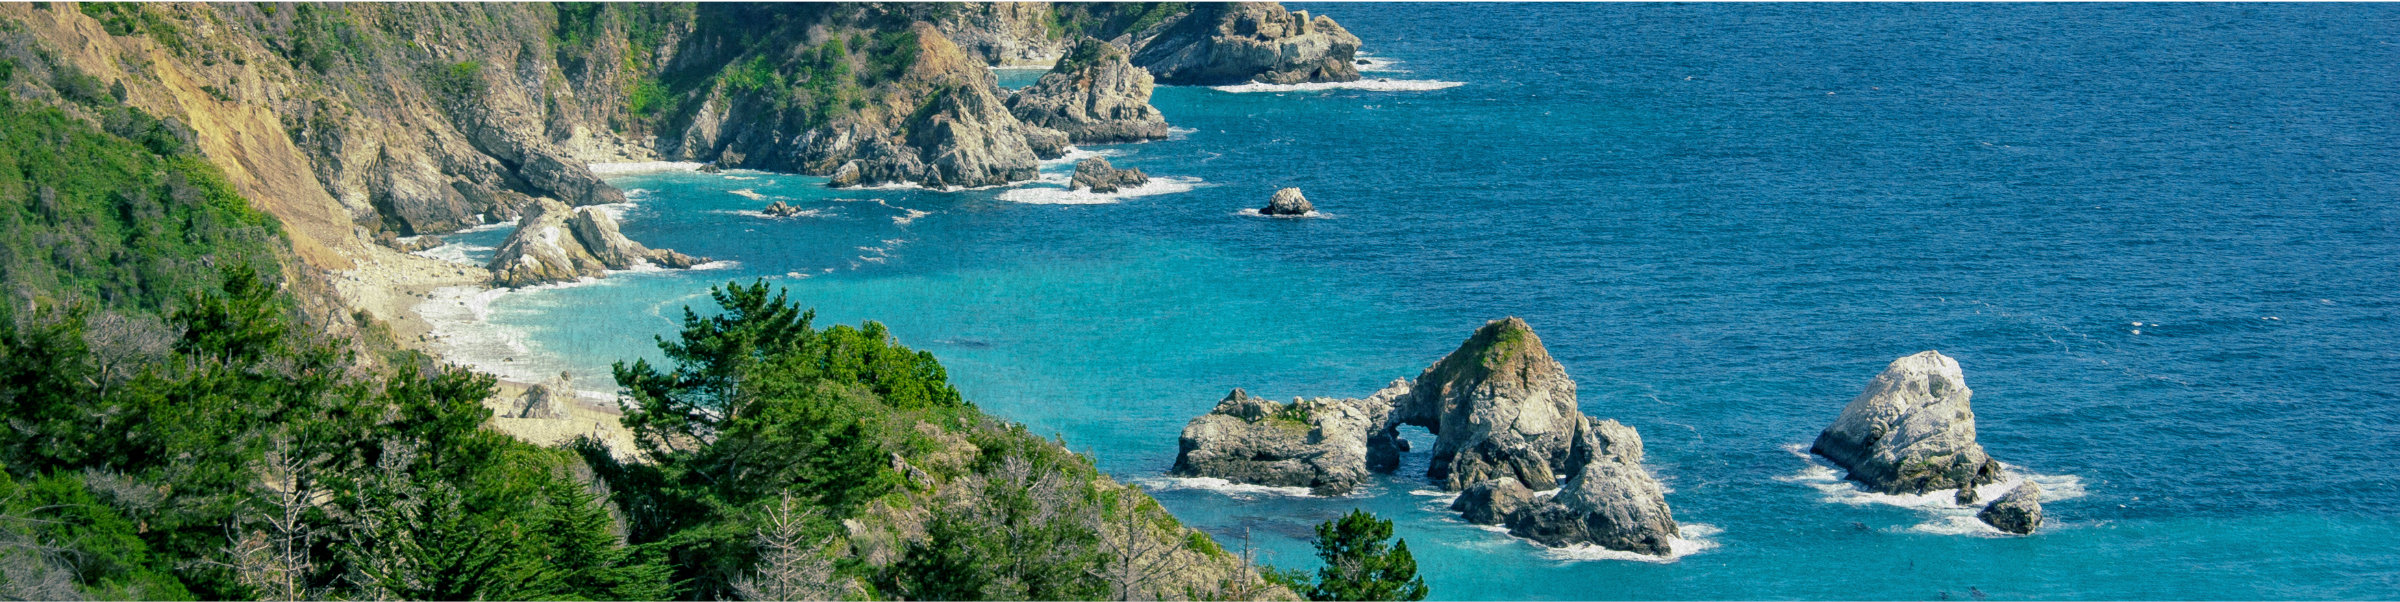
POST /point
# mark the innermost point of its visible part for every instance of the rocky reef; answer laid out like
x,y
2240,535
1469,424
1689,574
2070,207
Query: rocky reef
x,y
1096,175
1912,430
1320,444
1232,43
1288,201
1095,95
1507,427
557,243
2019,511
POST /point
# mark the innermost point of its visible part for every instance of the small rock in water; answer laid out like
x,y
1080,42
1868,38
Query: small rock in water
x,y
2019,511
1967,497
711,168
1097,175
779,209
1288,201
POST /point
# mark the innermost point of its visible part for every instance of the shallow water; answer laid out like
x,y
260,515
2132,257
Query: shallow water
x,y
2162,241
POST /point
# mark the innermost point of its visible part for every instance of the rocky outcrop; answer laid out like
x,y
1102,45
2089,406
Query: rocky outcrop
x,y
1316,443
1506,425
1611,501
556,243
1288,201
1493,502
1912,430
2019,511
1096,175
780,209
1095,95
1232,43
550,399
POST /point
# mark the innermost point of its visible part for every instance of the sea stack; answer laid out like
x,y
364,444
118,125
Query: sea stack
x,y
1506,424
1320,444
1288,201
1912,431
1095,96
1223,43
2019,511
1096,175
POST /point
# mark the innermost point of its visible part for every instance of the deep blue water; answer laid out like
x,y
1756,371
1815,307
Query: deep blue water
x,y
2164,241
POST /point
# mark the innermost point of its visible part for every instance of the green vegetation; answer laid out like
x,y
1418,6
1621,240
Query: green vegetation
x,y
135,19
1358,565
322,36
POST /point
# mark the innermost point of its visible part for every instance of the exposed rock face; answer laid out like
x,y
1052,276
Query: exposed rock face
x,y
1317,443
1611,502
1288,201
555,243
1502,408
1095,95
549,399
2019,511
1912,431
779,209
1506,425
1098,176
1493,502
1232,43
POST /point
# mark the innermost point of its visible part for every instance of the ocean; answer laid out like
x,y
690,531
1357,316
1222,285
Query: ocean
x,y
2162,240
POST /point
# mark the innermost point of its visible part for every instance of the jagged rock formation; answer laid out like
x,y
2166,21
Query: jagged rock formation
x,y
556,243
1288,201
549,399
780,209
1096,175
1320,443
1095,95
1912,431
1232,43
1506,425
2019,511
1611,502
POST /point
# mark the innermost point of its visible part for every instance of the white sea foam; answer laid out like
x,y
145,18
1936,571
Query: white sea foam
x,y
1228,488
742,178
1944,515
615,211
1695,538
763,214
907,215
1044,195
1371,85
1075,154
1378,64
643,167
748,194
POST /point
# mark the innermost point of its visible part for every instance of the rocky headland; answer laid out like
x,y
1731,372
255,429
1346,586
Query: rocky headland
x,y
1912,431
557,243
1507,428
1095,95
1239,42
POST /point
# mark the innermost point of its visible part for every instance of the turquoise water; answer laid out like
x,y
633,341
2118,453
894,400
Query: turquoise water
x,y
2163,241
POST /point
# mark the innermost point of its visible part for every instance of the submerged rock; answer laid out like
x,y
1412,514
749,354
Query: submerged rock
x,y
1232,43
1912,431
1318,443
1288,201
2019,511
555,243
1098,176
1095,96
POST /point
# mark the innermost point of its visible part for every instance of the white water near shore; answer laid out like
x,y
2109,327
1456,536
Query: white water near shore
x,y
1943,514
610,169
1370,85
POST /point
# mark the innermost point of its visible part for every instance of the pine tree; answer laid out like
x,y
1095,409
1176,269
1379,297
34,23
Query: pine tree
x,y
1358,566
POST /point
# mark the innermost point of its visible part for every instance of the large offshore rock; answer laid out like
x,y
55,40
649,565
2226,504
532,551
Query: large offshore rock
x,y
1318,443
1499,406
2019,511
1096,175
1232,43
1288,201
1095,95
1912,431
